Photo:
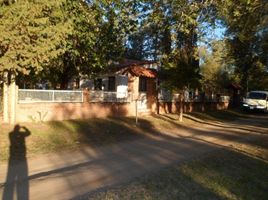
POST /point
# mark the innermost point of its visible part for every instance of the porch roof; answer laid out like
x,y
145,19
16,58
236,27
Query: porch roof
x,y
137,68
138,71
134,67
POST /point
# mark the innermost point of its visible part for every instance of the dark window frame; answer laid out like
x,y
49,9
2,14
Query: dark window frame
x,y
142,84
111,83
98,84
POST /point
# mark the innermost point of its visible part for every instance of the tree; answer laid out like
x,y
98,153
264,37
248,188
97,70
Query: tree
x,y
59,41
169,32
171,35
32,34
100,31
79,56
216,72
245,22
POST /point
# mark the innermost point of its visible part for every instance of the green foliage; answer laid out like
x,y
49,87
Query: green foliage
x,y
58,41
169,34
216,72
61,40
79,56
246,23
32,34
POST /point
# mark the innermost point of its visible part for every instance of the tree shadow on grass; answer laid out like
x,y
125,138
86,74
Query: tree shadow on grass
x,y
96,132
225,137
219,175
238,127
232,174
169,183
231,117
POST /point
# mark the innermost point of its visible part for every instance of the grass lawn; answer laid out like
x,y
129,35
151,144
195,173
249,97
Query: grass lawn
x,y
54,136
220,115
258,119
62,135
221,175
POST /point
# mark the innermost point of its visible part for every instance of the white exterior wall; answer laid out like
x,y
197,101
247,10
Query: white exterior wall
x,y
121,84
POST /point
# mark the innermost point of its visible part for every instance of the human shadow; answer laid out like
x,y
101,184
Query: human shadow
x,y
17,184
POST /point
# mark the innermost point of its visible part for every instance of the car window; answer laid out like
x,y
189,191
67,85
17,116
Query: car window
x,y
257,95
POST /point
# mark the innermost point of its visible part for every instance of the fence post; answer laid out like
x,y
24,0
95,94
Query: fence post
x,y
53,96
12,99
85,95
5,98
82,96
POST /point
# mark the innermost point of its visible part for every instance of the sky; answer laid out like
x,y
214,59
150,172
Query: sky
x,y
211,33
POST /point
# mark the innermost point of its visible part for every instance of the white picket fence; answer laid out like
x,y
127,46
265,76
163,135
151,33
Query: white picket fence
x,y
108,96
77,96
169,97
54,96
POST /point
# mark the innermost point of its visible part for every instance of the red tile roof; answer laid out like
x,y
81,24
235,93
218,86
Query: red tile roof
x,y
136,68
139,71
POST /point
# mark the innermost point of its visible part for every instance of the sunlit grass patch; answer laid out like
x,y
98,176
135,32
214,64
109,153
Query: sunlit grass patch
x,y
224,115
220,175
231,175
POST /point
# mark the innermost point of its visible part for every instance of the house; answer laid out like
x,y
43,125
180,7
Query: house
x,y
130,80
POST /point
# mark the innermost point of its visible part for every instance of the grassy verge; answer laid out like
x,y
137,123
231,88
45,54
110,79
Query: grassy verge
x,y
221,175
258,119
62,135
220,115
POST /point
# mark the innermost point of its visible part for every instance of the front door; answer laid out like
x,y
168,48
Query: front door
x,y
142,102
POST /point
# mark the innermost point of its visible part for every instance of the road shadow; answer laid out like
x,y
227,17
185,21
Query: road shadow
x,y
230,116
16,184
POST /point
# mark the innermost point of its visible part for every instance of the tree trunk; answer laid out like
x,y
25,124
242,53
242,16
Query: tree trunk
x,y
181,108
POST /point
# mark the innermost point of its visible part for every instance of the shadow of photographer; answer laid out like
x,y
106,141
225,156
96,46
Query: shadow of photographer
x,y
17,184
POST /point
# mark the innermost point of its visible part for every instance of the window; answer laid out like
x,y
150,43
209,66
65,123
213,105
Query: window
x,y
111,83
142,84
98,84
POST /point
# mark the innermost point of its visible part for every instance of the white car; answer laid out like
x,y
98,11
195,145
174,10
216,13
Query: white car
x,y
256,100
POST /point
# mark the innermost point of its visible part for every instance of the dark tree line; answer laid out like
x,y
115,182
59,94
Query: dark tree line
x,y
58,41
